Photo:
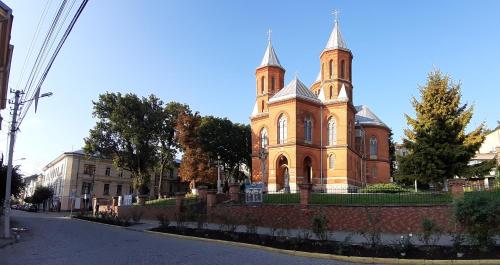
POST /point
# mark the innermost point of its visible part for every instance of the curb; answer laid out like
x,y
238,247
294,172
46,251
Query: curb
x,y
353,259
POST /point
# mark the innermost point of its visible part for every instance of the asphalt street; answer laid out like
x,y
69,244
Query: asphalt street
x,y
53,239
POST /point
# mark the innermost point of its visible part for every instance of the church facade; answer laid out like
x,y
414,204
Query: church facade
x,y
315,134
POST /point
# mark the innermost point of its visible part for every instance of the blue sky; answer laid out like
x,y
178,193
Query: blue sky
x,y
204,53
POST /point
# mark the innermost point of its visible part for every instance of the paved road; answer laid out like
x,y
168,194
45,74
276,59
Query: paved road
x,y
57,240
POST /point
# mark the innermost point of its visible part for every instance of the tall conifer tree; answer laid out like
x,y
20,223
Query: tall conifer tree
x,y
439,148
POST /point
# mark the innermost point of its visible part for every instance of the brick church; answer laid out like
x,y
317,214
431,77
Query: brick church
x,y
315,134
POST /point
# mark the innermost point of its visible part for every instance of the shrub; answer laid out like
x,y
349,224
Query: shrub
x,y
319,225
373,230
163,220
283,225
405,244
478,213
136,214
251,222
430,232
384,188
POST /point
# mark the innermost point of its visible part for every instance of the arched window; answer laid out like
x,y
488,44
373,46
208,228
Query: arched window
x,y
331,161
330,69
262,106
342,69
282,129
308,130
332,131
262,80
263,138
272,84
331,92
373,147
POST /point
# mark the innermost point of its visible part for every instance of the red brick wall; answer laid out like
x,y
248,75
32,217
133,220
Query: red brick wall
x,y
393,219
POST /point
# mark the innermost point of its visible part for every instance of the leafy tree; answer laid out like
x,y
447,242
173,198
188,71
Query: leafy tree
x,y
17,184
219,137
196,166
480,169
128,131
392,154
42,194
439,148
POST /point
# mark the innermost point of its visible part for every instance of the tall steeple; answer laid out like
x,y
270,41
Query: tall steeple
x,y
336,41
269,77
270,58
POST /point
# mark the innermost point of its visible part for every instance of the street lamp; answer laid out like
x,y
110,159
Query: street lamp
x,y
219,182
13,130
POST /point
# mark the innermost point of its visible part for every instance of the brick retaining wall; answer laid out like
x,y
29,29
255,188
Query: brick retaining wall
x,y
393,219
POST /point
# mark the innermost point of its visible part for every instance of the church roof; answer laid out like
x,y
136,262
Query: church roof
x,y
365,116
336,41
294,89
270,58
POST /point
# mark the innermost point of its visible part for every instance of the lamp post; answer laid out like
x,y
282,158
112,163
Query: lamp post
x,y
219,182
8,182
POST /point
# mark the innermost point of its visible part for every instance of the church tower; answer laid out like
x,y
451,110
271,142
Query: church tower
x,y
269,77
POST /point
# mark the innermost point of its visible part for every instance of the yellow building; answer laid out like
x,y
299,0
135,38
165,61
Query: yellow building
x,y
315,134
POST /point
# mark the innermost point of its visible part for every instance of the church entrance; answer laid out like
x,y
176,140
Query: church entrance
x,y
282,176
307,169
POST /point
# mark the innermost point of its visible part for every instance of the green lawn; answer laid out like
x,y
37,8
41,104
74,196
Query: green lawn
x,y
171,201
363,198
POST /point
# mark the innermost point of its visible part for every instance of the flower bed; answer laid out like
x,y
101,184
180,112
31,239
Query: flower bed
x,y
404,249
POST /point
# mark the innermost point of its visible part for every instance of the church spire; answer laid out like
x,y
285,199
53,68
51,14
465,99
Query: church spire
x,y
270,58
335,41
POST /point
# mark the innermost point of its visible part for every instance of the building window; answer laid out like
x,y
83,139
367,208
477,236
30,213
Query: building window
x,y
85,188
106,189
272,84
88,169
330,69
108,171
331,161
263,138
308,130
262,106
332,131
131,190
342,69
331,92
118,190
373,147
121,173
374,172
262,80
282,129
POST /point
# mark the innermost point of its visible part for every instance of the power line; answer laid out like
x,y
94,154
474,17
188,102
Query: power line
x,y
53,57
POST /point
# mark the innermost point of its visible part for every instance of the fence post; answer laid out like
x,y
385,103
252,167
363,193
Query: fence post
x,y
305,193
456,187
234,192
179,197
211,198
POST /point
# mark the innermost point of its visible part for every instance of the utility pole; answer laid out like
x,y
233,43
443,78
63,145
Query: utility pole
x,y
8,182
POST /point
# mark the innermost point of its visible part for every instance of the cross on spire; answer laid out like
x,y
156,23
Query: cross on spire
x,y
336,15
269,32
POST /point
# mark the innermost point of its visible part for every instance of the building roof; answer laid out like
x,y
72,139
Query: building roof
x,y
336,41
365,116
270,58
295,89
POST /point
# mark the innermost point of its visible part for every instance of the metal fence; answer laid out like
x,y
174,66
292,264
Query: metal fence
x,y
360,196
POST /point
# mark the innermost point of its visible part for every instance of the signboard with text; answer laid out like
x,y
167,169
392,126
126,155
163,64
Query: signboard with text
x,y
253,192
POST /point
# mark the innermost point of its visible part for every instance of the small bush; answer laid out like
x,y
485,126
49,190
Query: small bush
x,y
373,230
478,213
319,225
136,214
163,220
384,188
430,232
